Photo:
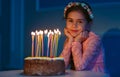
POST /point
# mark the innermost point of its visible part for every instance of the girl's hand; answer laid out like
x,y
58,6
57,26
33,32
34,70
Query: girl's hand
x,y
70,38
82,36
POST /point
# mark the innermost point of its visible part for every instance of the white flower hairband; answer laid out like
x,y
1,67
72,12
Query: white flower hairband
x,y
77,4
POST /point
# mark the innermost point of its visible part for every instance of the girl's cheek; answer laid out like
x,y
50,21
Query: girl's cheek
x,y
68,28
81,29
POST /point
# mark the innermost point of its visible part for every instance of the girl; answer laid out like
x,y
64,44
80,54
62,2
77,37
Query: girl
x,y
82,48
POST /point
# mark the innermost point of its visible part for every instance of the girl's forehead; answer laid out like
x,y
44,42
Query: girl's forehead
x,y
76,15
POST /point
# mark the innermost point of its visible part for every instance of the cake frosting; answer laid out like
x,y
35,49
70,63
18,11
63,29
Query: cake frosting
x,y
44,58
44,66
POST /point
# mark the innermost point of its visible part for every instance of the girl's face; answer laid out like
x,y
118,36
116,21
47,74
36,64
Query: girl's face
x,y
76,23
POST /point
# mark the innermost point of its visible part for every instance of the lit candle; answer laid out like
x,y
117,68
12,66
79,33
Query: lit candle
x,y
37,43
48,46
45,41
33,36
55,39
42,43
58,36
51,44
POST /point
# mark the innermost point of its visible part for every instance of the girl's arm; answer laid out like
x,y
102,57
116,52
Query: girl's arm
x,y
82,57
66,53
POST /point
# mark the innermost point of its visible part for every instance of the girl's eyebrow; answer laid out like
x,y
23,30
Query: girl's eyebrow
x,y
81,19
76,19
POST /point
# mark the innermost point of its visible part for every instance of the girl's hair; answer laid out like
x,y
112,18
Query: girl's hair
x,y
83,7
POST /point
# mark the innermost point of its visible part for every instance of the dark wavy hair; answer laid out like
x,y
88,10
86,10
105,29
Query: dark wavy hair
x,y
81,9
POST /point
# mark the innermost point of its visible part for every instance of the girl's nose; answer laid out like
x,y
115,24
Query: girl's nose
x,y
74,24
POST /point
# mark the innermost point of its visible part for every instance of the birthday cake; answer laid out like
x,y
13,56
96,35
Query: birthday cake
x,y
44,66
38,64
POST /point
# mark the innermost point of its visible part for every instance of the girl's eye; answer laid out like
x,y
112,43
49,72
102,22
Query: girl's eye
x,y
79,22
70,20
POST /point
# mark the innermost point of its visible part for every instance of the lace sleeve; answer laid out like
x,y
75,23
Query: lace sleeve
x,y
82,57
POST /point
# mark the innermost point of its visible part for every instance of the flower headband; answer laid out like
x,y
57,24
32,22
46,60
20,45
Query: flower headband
x,y
85,6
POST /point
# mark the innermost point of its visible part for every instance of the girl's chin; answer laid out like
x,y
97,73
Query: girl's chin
x,y
74,35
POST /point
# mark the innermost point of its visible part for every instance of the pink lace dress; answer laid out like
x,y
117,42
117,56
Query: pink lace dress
x,y
88,55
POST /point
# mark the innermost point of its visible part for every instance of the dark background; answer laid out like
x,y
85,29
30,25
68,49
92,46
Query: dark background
x,y
19,17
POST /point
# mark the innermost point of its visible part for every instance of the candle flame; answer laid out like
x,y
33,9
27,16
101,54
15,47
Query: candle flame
x,y
48,34
42,32
55,31
37,33
59,33
32,33
45,31
52,33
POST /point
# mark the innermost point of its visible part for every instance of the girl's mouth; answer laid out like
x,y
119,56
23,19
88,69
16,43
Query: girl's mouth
x,y
74,30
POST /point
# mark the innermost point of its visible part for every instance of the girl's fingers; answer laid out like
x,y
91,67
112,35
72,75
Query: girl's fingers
x,y
83,35
67,33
